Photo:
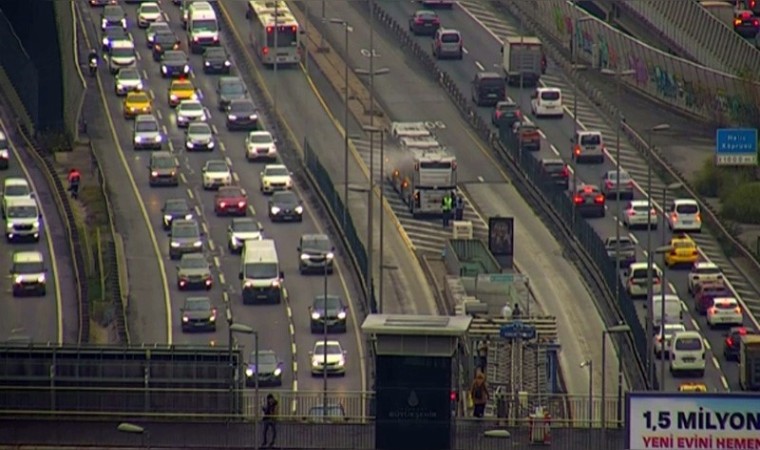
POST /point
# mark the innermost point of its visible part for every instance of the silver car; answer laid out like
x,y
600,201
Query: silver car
x,y
194,272
240,230
199,136
189,111
614,187
127,80
147,133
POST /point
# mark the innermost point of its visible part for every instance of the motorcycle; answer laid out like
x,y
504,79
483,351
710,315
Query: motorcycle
x,y
93,66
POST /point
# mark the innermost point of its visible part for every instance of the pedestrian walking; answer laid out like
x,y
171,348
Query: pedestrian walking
x,y
516,312
482,355
270,413
74,177
447,204
459,208
479,395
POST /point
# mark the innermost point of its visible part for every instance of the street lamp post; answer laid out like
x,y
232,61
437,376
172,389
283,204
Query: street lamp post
x,y
621,328
131,428
375,130
670,187
368,268
239,328
590,364
347,29
324,338
650,258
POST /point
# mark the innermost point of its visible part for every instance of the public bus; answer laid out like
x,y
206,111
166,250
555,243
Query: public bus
x,y
282,46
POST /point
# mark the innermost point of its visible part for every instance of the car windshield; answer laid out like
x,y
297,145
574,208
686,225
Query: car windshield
x,y
138,98
150,9
216,166
197,305
554,166
708,271
204,25
123,52
193,262
182,86
265,358
22,212
115,33
319,349
28,267
640,208
333,302
17,190
687,209
642,273
550,95
261,270
317,243
165,37
260,138
163,162
595,139
284,198
159,27
506,107
129,75
426,15
689,344
450,37
683,244
215,53
230,192
241,107
613,176
198,129
247,226
232,88
191,107
175,57
185,231
176,206
623,241
276,172
146,126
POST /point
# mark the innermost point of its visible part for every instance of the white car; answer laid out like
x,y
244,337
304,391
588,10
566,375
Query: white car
x,y
328,357
637,279
687,353
127,80
662,346
148,13
637,214
199,136
275,177
547,102
243,229
703,272
189,111
260,145
14,188
724,311
684,215
216,173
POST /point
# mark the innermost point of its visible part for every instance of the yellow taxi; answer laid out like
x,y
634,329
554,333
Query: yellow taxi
x,y
137,103
682,250
692,387
181,90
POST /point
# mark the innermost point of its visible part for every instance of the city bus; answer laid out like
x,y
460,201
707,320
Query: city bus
x,y
282,46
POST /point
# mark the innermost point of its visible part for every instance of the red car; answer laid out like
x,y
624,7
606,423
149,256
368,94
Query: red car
x,y
230,200
703,299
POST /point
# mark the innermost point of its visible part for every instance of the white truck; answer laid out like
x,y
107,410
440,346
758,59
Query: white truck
x,y
523,60
423,171
202,27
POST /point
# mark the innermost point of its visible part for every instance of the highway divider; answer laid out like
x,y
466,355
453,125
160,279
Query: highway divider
x,y
551,204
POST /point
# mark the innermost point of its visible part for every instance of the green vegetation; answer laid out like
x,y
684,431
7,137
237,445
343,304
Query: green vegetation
x,y
743,203
738,189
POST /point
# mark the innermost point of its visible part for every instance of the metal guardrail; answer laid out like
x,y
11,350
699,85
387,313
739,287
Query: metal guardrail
x,y
554,206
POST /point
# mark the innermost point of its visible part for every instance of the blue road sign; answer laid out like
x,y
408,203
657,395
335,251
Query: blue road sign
x,y
517,329
736,147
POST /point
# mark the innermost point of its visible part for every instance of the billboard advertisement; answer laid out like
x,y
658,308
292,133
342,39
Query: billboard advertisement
x,y
501,236
696,421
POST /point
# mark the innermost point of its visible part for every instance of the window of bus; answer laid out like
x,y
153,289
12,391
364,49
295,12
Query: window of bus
x,y
287,36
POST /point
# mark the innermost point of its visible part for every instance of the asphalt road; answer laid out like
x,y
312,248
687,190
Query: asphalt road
x,y
52,318
483,54
283,328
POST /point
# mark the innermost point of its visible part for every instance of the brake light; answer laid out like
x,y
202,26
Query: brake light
x,y
730,342
453,396
396,173
565,172
632,212
419,21
694,252
608,183
713,309
265,51
241,204
742,331
674,216
698,217
577,150
738,310
416,199
599,199
270,29
737,22
673,253
498,114
653,212
755,22
436,21
223,204
578,199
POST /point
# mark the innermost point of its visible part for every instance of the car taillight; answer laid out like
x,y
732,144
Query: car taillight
x,y
698,217
498,114
577,150
599,199
694,253
417,199
578,199
241,204
674,216
222,204
608,183
632,212
673,253
755,23
737,22
265,51
565,172
419,21
653,212
730,342
656,280
712,310
738,310
436,21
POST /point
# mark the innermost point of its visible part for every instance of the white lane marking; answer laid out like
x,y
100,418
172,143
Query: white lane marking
x,y
158,113
465,51
183,178
213,128
221,278
165,130
672,288
225,296
724,381
480,66
217,262
190,192
633,238
556,152
137,54
228,161
211,245
242,191
145,74
197,209
222,147
205,228
235,177
481,179
715,363
171,146
707,345
253,211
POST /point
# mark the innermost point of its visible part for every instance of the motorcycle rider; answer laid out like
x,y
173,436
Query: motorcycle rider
x,y
93,59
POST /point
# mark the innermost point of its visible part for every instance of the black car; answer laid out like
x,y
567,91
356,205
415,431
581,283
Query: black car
x,y
285,205
555,172
113,33
174,64
424,23
113,15
589,201
621,247
198,315
270,369
328,310
229,89
175,208
162,42
216,60
242,115
315,254
733,342
506,113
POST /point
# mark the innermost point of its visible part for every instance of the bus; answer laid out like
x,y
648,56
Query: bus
x,y
281,47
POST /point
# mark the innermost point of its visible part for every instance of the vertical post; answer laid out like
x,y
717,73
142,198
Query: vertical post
x,y
371,64
370,225
620,392
650,269
324,361
590,393
662,294
256,398
101,266
527,296
382,221
604,378
232,365
276,78
618,80
573,63
345,124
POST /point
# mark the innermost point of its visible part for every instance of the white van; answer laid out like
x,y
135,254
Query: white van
x,y
687,353
684,215
202,27
637,278
260,274
547,102
588,146
673,309
22,219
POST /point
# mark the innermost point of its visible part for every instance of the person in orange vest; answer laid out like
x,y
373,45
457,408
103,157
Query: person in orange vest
x,y
74,178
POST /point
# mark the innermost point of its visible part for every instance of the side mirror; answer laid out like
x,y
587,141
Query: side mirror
x,y
302,31
282,275
240,276
39,216
298,248
572,140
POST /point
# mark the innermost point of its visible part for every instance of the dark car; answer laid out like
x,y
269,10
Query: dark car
x,y
733,342
111,34
174,64
193,272
102,2
242,115
198,315
175,208
424,23
589,201
555,171
506,113
164,41
228,89
285,205
164,170
330,311
113,15
315,254
623,246
746,24
270,369
488,89
216,60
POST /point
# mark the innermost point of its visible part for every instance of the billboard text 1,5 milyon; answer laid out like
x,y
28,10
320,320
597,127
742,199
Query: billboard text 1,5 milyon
x,y
696,421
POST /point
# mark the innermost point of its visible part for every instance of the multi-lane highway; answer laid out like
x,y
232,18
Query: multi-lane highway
x,y
283,328
482,33
52,318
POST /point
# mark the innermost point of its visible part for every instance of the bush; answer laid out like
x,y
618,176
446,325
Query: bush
x,y
743,203
712,181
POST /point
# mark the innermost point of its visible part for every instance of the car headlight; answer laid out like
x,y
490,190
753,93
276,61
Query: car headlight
x,y
277,372
211,144
206,63
342,315
197,244
253,116
275,283
139,86
119,86
304,257
167,218
157,138
227,64
194,96
190,144
138,139
289,183
248,284
8,226
105,41
36,224
164,69
18,279
341,361
4,154
186,68
232,117
249,372
175,244
185,319
103,22
315,315
330,256
234,240
315,363
173,97
299,209
124,23
274,210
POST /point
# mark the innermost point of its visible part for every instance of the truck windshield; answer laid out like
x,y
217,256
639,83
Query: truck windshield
x,y
204,25
689,344
261,270
22,212
436,165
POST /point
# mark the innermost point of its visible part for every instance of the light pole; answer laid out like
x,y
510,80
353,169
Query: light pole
x,y
131,428
239,328
574,66
650,258
375,130
372,62
590,364
621,328
670,187
368,275
276,78
347,29
324,337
